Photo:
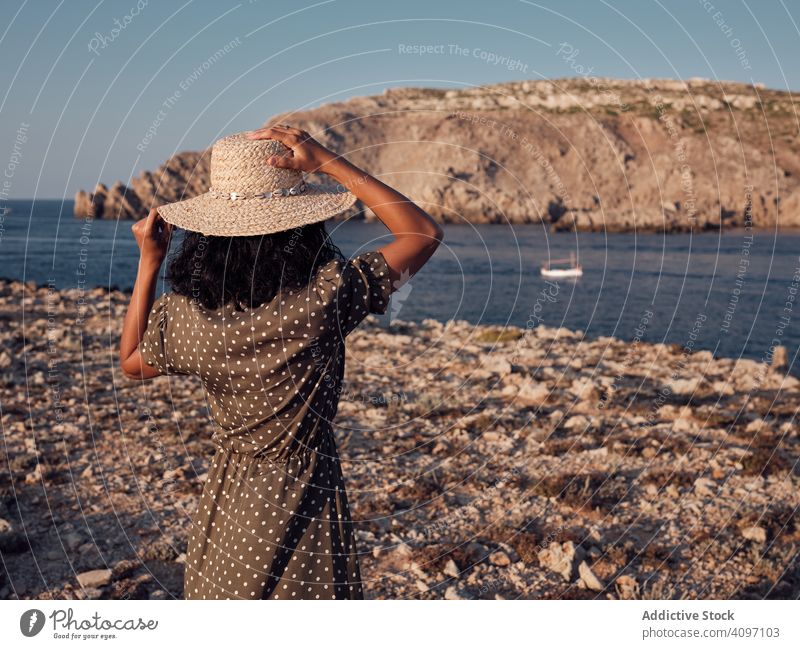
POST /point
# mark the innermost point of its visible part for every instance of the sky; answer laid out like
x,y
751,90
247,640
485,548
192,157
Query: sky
x,y
99,91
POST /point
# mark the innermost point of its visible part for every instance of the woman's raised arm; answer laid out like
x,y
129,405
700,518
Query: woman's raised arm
x,y
416,234
152,236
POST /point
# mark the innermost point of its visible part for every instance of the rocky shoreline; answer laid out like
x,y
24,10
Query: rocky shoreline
x,y
480,463
590,154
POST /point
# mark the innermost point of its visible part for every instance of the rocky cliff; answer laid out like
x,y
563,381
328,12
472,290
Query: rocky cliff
x,y
182,176
591,154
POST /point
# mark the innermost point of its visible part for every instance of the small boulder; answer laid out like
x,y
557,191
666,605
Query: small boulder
x,y
780,359
685,387
451,569
559,558
495,364
590,580
532,394
755,533
577,422
94,578
499,558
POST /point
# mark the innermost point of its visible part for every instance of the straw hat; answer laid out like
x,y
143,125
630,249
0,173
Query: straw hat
x,y
248,196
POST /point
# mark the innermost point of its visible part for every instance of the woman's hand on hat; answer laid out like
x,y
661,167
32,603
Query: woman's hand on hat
x,y
152,236
304,154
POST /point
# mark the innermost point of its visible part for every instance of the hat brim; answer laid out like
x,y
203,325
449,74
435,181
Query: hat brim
x,y
222,217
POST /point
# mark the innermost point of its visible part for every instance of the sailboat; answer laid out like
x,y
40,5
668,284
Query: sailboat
x,y
573,270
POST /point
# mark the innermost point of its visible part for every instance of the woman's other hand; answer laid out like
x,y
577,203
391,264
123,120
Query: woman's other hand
x,y
304,154
152,236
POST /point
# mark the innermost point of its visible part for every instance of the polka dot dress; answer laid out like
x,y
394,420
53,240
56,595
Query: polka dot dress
x,y
273,520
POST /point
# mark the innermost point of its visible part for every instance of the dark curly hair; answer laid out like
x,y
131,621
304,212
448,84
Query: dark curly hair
x,y
248,271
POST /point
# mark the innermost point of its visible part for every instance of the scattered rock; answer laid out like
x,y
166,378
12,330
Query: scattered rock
x,y
755,426
161,549
780,359
685,387
499,558
94,578
705,487
559,558
124,568
35,476
86,548
530,393
626,587
453,593
501,492
495,364
577,422
589,579
451,569
755,533
72,540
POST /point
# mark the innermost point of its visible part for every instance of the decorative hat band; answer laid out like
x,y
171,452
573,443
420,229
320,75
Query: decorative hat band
x,y
276,193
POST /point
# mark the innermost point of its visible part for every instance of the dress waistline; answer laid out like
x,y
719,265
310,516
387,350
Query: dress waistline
x,y
295,457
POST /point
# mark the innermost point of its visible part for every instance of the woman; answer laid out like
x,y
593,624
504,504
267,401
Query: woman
x,y
260,305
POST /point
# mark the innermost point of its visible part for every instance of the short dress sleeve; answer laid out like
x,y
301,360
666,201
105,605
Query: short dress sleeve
x,y
153,346
357,287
